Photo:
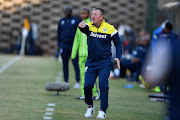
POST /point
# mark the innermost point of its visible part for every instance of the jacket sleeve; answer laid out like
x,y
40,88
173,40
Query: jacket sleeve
x,y
172,37
154,41
85,29
75,45
117,43
58,34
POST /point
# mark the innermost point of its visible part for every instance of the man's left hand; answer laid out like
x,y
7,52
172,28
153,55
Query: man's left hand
x,y
118,62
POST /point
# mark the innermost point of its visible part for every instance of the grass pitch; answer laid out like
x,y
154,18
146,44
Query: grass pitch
x,y
23,95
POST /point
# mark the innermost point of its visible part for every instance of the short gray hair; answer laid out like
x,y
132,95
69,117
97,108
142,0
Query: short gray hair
x,y
100,9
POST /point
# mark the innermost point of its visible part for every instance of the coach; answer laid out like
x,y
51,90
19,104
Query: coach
x,y
99,35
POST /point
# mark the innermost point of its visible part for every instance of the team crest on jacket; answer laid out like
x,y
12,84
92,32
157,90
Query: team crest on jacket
x,y
73,21
105,29
62,22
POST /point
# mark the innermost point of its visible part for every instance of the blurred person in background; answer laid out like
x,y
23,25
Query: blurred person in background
x,y
166,68
130,37
17,45
26,40
126,34
164,32
133,61
80,46
143,38
30,43
25,33
99,36
65,36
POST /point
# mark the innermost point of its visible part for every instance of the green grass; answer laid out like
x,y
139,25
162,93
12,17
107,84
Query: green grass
x,y
23,95
4,59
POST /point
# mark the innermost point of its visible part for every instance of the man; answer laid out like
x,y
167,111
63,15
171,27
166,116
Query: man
x,y
99,34
80,46
162,33
25,32
65,36
166,68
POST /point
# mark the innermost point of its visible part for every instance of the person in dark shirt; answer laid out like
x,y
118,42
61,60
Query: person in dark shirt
x,y
65,36
162,33
134,60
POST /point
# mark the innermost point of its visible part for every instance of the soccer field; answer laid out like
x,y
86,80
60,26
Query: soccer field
x,y
23,95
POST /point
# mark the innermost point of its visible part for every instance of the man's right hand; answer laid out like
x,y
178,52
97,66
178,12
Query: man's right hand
x,y
82,24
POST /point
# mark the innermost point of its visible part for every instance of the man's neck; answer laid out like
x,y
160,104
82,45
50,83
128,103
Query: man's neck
x,y
68,17
85,19
99,24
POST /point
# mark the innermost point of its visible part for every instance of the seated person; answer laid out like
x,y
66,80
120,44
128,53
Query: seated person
x,y
133,61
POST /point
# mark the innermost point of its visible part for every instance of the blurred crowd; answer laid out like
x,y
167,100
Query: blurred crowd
x,y
26,41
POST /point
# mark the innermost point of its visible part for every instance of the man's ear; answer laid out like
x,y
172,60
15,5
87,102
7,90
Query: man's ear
x,y
102,16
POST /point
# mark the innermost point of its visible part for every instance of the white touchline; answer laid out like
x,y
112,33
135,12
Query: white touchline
x,y
51,104
59,73
58,79
48,113
47,118
9,64
49,109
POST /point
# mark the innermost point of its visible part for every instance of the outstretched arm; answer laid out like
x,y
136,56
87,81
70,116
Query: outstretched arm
x,y
83,27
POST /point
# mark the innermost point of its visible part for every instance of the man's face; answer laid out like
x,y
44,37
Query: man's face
x,y
84,14
96,17
67,13
166,30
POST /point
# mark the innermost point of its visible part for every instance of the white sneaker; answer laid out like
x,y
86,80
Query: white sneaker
x,y
77,85
89,112
101,115
80,98
96,98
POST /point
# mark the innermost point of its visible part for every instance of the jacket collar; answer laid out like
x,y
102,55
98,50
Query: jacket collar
x,y
101,23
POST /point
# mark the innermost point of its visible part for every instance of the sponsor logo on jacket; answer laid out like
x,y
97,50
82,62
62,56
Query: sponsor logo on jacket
x,y
97,35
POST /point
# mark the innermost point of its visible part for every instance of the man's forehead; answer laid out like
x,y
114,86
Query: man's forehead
x,y
84,11
96,11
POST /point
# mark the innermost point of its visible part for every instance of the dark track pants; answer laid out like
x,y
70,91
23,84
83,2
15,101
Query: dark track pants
x,y
65,55
90,78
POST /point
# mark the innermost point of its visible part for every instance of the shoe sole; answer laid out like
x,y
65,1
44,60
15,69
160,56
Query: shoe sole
x,y
101,118
96,99
80,98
